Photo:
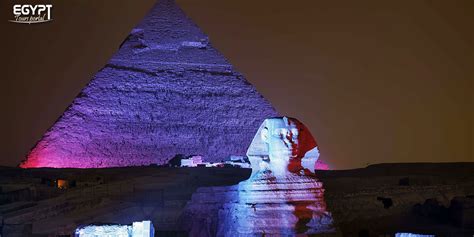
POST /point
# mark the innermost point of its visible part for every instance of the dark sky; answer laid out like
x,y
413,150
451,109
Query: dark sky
x,y
375,81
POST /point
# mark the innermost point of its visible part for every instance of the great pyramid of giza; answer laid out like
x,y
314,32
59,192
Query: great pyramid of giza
x,y
166,91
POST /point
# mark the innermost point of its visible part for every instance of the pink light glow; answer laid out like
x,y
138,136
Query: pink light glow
x,y
46,156
321,165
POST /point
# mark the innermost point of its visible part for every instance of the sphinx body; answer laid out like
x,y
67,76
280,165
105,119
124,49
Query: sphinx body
x,y
281,197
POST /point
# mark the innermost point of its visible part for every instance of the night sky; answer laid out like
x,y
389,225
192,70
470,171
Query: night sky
x,y
375,81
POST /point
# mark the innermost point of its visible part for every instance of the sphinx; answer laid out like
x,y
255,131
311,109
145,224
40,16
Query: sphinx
x,y
281,197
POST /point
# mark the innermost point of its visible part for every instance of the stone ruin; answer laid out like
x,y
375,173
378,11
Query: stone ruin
x,y
136,229
281,197
166,91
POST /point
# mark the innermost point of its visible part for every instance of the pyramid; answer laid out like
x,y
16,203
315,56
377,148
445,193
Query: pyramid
x,y
166,91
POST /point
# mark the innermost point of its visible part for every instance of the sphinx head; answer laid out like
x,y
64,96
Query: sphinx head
x,y
283,141
284,137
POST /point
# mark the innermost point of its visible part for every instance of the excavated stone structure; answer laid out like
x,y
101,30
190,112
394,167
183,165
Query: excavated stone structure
x,y
166,91
136,229
281,198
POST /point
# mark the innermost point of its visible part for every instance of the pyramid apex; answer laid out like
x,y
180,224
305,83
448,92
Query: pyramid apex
x,y
167,23
167,34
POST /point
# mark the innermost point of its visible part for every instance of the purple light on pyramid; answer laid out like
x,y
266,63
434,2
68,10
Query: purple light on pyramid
x,y
166,91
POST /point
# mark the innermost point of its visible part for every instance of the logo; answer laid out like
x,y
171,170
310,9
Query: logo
x,y
29,14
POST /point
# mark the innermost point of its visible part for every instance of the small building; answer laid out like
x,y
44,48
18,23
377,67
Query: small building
x,y
186,163
192,161
197,159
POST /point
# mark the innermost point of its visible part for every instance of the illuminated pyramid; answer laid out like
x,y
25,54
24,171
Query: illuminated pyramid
x,y
166,91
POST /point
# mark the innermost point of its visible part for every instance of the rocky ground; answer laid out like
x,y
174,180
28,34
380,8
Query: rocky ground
x,y
390,198
377,200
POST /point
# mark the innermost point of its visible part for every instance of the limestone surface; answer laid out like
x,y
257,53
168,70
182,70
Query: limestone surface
x,y
166,91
